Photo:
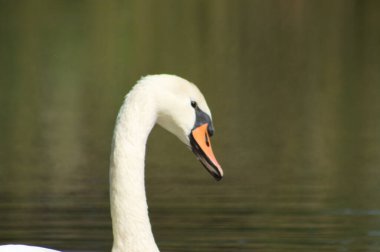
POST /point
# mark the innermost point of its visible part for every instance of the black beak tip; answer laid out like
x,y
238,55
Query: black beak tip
x,y
218,177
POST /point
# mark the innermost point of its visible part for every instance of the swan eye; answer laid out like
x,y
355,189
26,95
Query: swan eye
x,y
194,104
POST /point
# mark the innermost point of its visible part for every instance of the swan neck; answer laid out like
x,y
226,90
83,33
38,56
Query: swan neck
x,y
129,210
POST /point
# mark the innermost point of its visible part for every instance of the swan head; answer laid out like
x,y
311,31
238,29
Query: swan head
x,y
183,111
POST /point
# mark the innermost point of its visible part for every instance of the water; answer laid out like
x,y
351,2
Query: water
x,y
294,89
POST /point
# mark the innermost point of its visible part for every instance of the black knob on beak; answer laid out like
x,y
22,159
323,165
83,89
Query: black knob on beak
x,y
210,129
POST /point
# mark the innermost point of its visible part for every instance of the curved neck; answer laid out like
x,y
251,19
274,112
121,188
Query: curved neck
x,y
129,210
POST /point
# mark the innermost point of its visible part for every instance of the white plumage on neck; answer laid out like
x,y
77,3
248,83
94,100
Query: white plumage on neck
x,y
131,227
165,99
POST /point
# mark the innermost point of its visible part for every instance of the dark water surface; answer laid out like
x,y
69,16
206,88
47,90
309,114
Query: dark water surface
x,y
294,87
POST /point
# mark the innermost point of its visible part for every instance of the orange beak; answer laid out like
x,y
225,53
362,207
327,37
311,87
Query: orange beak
x,y
201,146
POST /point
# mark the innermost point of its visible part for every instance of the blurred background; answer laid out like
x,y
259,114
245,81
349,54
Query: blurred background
x,y
294,87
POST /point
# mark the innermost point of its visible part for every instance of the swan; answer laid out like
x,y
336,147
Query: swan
x,y
178,106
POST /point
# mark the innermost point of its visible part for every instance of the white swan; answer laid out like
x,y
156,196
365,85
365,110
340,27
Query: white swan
x,y
178,106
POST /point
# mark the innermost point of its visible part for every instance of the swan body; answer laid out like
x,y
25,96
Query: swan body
x,y
24,248
178,106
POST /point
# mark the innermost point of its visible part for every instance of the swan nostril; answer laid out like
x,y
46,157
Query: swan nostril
x,y
207,141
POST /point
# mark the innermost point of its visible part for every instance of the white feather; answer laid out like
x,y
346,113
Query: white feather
x,y
24,248
165,99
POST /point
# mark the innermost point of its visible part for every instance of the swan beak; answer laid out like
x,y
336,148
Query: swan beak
x,y
201,146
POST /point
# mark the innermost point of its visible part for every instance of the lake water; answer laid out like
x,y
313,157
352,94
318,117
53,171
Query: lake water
x,y
294,87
